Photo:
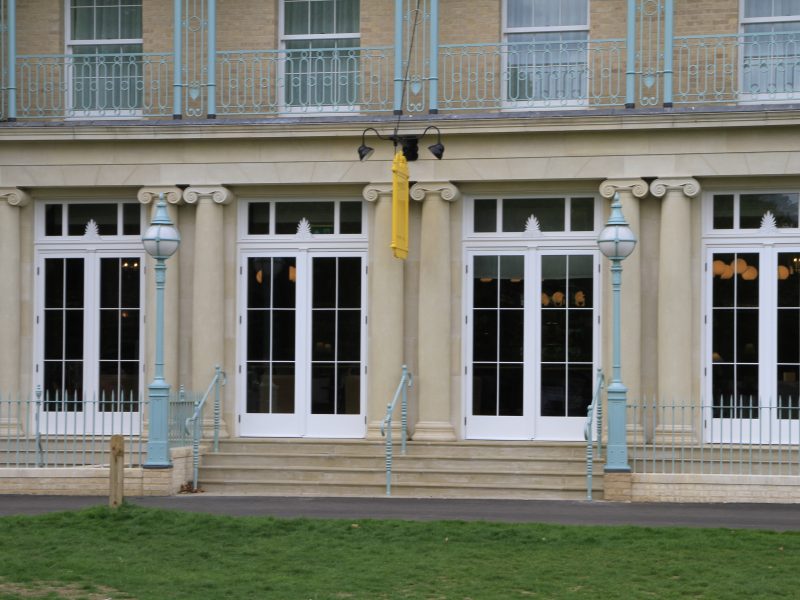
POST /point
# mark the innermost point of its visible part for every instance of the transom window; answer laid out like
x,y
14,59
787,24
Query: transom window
x,y
104,39
322,64
74,219
331,217
756,211
532,215
770,66
546,50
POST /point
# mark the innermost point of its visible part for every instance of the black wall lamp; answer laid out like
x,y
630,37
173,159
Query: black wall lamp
x,y
408,143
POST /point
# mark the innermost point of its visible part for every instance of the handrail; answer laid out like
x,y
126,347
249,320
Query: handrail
x,y
596,407
406,381
192,422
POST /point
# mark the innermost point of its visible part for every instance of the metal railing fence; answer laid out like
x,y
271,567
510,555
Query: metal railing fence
x,y
406,381
747,436
74,430
594,425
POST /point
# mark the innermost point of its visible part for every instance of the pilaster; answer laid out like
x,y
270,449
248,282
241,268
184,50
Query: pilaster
x,y
630,192
386,317
208,289
11,200
675,290
433,382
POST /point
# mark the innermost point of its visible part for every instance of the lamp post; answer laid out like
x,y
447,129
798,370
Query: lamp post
x,y
161,240
616,242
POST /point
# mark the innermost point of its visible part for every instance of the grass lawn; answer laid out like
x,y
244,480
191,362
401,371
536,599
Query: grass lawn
x,y
146,553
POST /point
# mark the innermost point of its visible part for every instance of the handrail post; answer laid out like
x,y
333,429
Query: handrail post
x,y
217,374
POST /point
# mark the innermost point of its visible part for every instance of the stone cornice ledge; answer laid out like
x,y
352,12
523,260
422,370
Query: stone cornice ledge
x,y
14,196
149,194
446,190
688,185
218,194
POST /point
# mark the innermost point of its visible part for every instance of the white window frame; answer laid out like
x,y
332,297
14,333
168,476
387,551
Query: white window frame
x,y
285,107
305,248
764,97
531,425
767,244
520,105
91,249
70,46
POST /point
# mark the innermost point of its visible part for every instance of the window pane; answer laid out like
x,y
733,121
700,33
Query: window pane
x,y
579,390
512,286
258,218
350,217
512,326
582,214
581,281
553,403
82,25
349,282
752,208
723,211
484,335
348,393
519,13
485,281
131,219
546,13
53,219
788,279
79,215
321,17
289,214
485,216
295,17
511,384
484,390
323,389
324,282
548,211
347,16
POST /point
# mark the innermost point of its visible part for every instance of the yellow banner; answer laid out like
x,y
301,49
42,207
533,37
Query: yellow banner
x,y
400,206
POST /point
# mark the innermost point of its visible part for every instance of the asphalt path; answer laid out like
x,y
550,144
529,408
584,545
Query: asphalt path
x,y
775,517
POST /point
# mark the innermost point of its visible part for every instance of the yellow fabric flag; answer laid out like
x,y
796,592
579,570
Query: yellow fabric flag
x,y
400,206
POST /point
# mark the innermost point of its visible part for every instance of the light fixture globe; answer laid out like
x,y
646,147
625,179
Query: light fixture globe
x,y
617,240
161,239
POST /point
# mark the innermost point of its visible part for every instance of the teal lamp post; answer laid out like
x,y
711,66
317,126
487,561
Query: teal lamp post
x,y
161,240
616,242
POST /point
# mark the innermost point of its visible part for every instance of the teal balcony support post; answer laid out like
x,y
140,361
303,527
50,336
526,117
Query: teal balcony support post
x,y
212,59
669,39
161,240
433,107
11,88
630,67
398,57
616,242
177,93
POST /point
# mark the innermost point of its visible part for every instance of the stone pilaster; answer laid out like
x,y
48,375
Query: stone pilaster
x,y
386,317
11,200
435,327
208,289
630,191
675,289
174,197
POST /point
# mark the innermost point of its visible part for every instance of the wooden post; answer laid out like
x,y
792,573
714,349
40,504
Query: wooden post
x,y
117,471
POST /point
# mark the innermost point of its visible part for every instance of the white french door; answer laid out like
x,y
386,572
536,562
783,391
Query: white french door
x,y
531,333
753,344
89,340
302,344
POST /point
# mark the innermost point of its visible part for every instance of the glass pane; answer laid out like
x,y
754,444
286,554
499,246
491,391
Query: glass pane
x,y
73,381
724,285
519,13
349,282
484,335
73,334
109,334
579,390
79,215
53,334
284,282
485,216
258,388
347,16
512,327
581,282
788,392
581,214
323,334
283,334
129,330
788,336
53,283
131,219
485,281
130,280
554,335
348,393
723,211
723,336
73,294
580,336
722,387
349,336
321,16
484,390
259,280
574,12
746,268
511,378
283,388
258,218
295,17
752,208
53,219
553,391
788,279
324,283
53,388
129,385
109,282
548,211
289,214
350,218
554,281
512,285
546,13
747,336
323,389
258,335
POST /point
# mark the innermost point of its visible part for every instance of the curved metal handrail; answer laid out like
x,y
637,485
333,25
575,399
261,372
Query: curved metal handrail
x,y
595,408
406,381
219,380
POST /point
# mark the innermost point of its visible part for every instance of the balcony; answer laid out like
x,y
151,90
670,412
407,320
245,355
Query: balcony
x,y
488,79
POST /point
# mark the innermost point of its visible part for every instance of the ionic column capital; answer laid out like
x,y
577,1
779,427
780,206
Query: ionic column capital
x,y
148,195
372,192
444,189
14,196
637,187
689,186
217,193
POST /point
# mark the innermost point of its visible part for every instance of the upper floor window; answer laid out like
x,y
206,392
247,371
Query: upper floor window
x,y
546,50
321,38
104,67
771,38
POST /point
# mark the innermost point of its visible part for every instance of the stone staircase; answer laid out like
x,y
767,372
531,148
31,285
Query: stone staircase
x,y
470,469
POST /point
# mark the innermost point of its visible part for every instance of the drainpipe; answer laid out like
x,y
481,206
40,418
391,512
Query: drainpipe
x,y
433,107
12,60
212,59
177,91
630,69
668,45
398,57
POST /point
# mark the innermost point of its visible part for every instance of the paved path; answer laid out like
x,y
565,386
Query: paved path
x,y
778,517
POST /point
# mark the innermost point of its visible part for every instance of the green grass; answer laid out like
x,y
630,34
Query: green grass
x,y
145,553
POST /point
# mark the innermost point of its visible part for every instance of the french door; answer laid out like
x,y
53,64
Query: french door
x,y
302,344
531,343
89,341
753,347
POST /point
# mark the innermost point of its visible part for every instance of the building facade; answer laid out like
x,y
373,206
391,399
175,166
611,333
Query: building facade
x,y
247,117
